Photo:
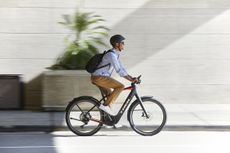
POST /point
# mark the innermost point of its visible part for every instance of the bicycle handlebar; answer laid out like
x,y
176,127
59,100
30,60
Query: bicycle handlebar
x,y
139,80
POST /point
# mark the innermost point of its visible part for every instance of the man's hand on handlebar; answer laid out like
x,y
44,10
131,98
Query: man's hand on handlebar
x,y
133,79
136,80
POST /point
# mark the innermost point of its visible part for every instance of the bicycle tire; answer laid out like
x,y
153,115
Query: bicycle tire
x,y
136,113
85,110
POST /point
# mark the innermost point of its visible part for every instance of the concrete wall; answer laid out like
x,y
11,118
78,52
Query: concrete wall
x,y
180,47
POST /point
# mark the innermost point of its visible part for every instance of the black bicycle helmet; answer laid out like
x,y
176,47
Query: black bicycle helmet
x,y
116,39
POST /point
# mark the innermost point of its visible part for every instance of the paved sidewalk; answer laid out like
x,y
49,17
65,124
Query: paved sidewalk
x,y
180,117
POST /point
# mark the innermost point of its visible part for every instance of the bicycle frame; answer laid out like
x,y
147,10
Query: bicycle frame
x,y
125,105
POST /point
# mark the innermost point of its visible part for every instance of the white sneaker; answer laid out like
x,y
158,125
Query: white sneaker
x,y
107,109
118,126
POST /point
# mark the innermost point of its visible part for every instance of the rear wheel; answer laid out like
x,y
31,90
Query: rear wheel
x,y
83,116
152,123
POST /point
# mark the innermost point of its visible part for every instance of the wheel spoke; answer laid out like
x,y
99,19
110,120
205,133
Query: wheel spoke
x,y
79,108
75,119
91,109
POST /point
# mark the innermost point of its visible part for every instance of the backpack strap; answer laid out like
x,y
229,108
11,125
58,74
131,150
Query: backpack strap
x,y
105,52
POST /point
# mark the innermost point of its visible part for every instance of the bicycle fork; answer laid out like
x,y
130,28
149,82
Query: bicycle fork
x,y
142,106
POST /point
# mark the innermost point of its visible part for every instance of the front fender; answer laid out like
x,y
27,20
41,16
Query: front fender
x,y
146,97
142,98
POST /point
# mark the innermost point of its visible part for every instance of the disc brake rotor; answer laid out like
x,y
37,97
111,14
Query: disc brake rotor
x,y
149,118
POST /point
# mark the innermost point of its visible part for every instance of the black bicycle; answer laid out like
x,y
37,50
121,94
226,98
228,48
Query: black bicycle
x,y
146,115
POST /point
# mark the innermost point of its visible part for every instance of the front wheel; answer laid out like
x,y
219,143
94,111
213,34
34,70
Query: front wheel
x,y
149,124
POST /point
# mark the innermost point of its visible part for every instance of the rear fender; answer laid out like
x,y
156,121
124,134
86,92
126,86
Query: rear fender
x,y
83,98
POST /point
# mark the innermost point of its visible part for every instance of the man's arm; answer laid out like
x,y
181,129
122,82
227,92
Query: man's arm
x,y
117,65
120,69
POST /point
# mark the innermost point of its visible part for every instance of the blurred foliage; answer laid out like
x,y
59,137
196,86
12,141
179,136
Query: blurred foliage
x,y
87,33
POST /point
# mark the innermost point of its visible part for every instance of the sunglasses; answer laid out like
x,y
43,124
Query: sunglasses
x,y
122,42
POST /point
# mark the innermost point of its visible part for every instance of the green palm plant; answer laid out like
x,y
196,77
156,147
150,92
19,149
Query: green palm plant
x,y
87,33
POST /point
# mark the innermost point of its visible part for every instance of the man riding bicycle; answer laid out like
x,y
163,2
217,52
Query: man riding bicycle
x,y
102,77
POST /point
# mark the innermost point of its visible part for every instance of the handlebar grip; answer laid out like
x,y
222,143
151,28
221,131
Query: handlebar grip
x,y
139,77
139,80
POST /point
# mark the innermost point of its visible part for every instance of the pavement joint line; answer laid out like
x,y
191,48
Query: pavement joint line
x,y
195,115
124,128
94,146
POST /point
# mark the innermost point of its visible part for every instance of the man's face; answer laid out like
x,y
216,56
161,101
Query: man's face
x,y
121,46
